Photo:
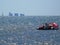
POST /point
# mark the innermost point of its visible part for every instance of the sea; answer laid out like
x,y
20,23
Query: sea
x,y
22,30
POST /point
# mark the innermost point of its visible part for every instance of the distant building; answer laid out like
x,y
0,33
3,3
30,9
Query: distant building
x,y
21,14
16,14
10,14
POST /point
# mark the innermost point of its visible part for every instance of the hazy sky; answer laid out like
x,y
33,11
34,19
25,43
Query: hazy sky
x,y
30,7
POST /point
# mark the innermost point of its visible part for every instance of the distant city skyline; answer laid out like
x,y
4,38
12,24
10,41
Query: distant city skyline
x,y
15,14
30,7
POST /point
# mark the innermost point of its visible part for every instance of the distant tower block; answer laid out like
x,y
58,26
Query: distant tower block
x,y
16,14
10,14
21,14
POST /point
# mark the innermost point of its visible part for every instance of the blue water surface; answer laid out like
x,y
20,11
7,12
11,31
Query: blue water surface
x,y
22,31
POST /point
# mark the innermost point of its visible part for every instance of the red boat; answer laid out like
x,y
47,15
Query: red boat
x,y
50,26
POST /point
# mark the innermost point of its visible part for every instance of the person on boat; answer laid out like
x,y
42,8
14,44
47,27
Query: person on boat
x,y
53,25
46,26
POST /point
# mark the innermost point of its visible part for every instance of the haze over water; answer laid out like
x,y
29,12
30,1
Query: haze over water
x,y
30,7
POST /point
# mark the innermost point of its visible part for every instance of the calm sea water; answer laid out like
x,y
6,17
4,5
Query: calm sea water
x,y
22,31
